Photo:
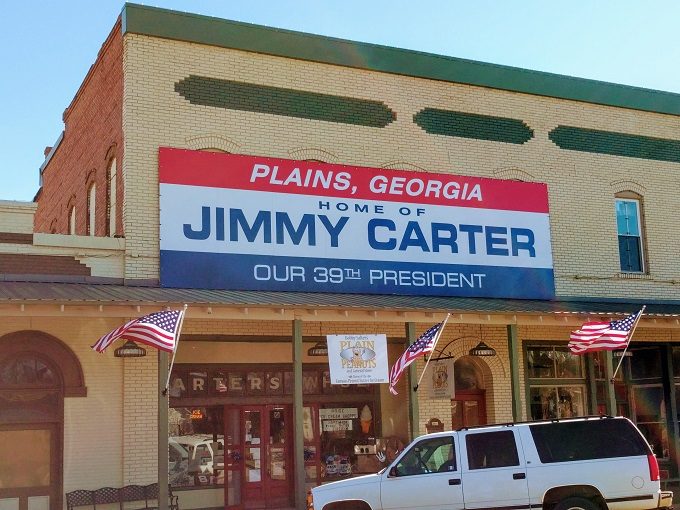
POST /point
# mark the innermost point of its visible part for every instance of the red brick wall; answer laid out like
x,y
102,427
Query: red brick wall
x,y
93,135
15,263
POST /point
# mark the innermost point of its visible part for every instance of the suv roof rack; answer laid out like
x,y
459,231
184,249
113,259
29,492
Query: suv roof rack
x,y
551,420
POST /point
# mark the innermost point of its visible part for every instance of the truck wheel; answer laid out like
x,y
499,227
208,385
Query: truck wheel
x,y
576,504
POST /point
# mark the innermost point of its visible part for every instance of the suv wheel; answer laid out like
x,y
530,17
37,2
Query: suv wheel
x,y
576,504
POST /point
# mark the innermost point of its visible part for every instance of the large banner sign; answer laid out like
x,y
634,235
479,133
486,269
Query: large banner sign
x,y
247,222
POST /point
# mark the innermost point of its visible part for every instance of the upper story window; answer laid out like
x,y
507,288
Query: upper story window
x,y
72,220
629,231
91,209
112,209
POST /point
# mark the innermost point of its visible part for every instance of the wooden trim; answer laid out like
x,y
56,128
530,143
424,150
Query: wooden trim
x,y
52,348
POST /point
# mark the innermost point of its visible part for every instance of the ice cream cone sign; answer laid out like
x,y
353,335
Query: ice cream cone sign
x,y
366,418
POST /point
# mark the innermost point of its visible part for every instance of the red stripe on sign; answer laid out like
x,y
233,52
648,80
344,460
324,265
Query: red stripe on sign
x,y
235,171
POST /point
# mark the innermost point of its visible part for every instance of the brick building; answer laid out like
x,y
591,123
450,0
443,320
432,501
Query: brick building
x,y
176,101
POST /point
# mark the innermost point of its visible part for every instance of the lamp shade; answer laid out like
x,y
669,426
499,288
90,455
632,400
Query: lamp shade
x,y
130,350
481,349
319,349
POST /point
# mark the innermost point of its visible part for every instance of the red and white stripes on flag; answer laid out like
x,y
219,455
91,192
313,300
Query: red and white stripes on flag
x,y
602,336
424,344
159,330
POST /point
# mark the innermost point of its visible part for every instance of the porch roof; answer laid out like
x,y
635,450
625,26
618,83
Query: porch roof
x,y
101,294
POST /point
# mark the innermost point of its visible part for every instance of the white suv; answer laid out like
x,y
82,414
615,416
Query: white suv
x,y
599,463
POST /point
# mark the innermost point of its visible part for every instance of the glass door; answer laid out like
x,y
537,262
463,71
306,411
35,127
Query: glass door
x,y
267,474
278,433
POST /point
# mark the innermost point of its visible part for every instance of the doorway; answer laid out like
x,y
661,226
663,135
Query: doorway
x,y
468,406
267,456
468,409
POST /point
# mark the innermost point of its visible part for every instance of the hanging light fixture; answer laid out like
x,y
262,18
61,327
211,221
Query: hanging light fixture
x,y
130,350
481,349
319,349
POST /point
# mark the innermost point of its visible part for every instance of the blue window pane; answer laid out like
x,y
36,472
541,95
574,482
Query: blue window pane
x,y
627,218
630,255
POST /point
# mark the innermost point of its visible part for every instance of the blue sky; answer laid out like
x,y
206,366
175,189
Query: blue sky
x,y
47,46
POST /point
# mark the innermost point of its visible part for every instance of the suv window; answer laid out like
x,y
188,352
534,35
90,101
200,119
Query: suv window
x,y
491,450
434,455
585,440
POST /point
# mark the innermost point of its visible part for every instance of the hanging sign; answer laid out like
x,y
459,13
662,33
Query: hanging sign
x,y
357,359
235,222
439,380
338,413
336,425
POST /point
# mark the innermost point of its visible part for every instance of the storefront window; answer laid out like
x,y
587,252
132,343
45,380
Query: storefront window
x,y
196,446
311,453
650,417
549,402
554,363
601,382
556,383
647,364
347,433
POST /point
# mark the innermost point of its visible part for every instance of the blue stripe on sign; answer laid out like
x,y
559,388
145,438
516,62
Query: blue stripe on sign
x,y
196,270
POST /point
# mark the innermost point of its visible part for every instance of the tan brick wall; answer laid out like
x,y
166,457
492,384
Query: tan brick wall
x,y
140,416
17,217
581,185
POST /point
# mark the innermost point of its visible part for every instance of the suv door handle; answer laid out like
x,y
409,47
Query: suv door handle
x,y
454,481
519,476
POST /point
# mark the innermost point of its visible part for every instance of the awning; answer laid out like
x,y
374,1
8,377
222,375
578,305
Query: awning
x,y
79,293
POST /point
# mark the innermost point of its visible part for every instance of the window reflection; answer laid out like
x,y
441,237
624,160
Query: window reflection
x,y
25,371
196,446
556,402
553,362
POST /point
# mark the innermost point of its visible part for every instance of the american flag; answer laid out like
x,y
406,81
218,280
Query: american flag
x,y
602,336
159,330
424,344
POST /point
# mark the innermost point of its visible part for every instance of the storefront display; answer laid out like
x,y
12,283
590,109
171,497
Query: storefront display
x,y
243,414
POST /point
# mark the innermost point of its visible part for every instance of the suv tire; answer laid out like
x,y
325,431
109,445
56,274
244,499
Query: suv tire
x,y
576,504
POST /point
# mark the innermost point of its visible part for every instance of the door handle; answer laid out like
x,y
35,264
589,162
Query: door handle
x,y
454,481
519,476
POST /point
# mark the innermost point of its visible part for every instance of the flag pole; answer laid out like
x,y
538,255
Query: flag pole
x,y
623,354
174,351
439,333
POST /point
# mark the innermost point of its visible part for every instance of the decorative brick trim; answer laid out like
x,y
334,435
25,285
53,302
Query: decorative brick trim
x,y
402,165
634,276
615,144
621,186
472,125
251,97
307,153
212,142
514,174
492,366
